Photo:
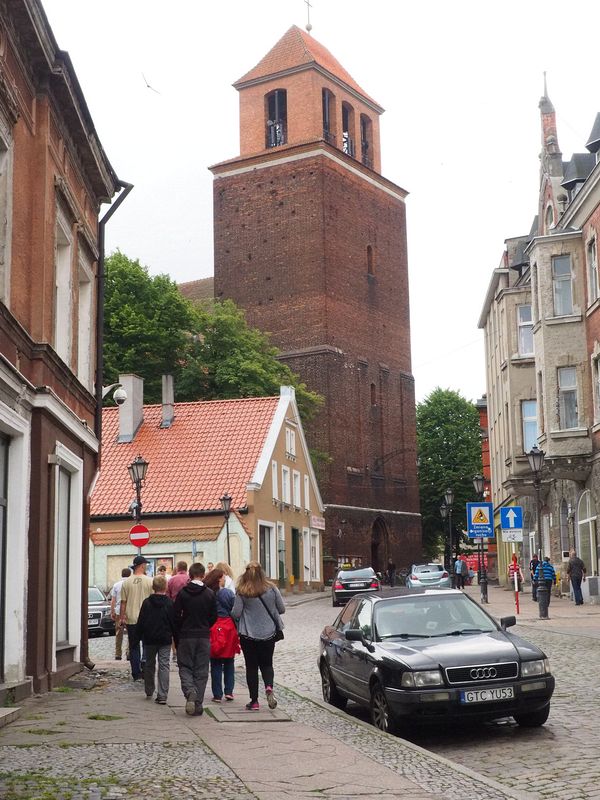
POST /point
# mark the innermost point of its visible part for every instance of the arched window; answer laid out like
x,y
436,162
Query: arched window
x,y
276,111
329,116
366,140
348,129
549,218
373,395
370,267
586,532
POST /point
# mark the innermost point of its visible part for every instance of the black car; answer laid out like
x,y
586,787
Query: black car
x,y
350,582
99,619
429,657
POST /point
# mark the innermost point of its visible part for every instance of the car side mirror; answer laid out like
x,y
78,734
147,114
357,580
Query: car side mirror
x,y
356,635
507,622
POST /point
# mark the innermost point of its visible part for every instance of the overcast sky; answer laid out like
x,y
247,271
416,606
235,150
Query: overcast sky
x,y
460,83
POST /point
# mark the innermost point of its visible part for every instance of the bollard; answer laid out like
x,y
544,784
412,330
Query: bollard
x,y
543,596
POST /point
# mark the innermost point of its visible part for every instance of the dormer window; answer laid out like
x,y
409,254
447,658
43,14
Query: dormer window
x,y
366,141
276,110
328,116
549,218
348,129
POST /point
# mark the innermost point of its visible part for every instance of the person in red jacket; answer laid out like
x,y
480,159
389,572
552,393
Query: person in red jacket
x,y
224,639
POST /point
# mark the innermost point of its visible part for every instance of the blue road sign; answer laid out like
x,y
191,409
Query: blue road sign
x,y
480,520
511,518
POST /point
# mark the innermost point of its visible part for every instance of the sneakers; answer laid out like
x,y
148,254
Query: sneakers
x,y
198,712
252,706
190,704
271,700
162,701
229,698
216,699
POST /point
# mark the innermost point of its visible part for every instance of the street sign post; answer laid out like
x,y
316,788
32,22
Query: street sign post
x,y
139,536
480,520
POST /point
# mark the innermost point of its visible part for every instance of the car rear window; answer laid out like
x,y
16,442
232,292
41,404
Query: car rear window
x,y
429,568
356,573
95,595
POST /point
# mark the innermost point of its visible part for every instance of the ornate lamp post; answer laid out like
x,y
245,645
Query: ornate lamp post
x,y
479,485
137,472
226,506
447,556
536,463
449,501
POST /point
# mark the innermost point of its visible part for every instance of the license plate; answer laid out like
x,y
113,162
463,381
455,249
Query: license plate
x,y
355,585
93,622
487,695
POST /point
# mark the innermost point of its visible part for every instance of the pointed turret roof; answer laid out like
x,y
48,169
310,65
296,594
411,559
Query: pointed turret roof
x,y
297,50
593,144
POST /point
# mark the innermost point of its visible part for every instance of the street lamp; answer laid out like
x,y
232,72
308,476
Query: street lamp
x,y
536,463
226,506
447,556
479,486
137,472
449,501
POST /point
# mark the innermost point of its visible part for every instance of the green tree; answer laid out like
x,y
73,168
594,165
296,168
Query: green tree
x,y
151,329
449,449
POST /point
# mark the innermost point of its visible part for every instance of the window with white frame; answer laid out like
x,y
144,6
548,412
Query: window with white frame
x,y
562,286
62,289
586,530
530,427
85,315
307,493
315,573
525,330
567,398
290,442
274,480
296,489
592,268
265,549
286,489
6,180
62,546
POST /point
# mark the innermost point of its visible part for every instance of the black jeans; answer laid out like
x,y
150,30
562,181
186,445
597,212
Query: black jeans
x,y
258,655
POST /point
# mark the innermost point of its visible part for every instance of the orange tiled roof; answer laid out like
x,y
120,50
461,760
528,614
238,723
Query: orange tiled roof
x,y
201,289
211,447
295,48
159,535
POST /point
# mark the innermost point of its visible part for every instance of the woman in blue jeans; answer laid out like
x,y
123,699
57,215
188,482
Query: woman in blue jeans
x,y
224,641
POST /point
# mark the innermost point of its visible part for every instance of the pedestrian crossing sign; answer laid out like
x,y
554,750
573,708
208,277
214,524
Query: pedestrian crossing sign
x,y
480,520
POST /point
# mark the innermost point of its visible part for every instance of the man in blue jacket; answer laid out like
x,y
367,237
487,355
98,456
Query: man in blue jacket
x,y
545,574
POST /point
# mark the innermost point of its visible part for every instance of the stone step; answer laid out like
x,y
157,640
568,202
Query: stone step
x,y
8,715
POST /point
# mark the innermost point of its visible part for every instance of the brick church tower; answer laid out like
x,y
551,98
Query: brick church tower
x,y
310,240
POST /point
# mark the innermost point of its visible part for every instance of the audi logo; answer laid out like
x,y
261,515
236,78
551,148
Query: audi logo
x,y
481,673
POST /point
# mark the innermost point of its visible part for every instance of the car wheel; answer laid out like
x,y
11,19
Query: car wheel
x,y
382,716
113,633
330,692
534,719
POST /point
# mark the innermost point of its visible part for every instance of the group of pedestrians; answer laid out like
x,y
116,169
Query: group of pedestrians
x,y
207,619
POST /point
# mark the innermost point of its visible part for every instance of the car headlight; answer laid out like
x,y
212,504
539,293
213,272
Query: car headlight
x,y
422,679
106,612
529,669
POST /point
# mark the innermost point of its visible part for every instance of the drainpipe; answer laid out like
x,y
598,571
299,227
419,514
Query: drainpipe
x,y
127,187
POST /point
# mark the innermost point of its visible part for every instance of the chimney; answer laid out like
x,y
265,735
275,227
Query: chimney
x,y
131,412
168,400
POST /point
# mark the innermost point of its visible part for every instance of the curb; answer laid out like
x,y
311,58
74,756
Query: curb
x,y
303,600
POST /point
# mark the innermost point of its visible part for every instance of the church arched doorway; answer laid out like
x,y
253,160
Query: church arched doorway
x,y
379,545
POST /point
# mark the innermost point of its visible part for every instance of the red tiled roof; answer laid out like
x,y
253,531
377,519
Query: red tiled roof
x,y
159,535
295,48
211,448
201,289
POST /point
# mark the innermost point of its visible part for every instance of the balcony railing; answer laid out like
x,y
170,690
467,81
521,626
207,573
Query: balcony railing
x,y
329,136
276,134
365,157
348,144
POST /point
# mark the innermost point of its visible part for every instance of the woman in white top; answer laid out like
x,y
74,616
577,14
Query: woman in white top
x,y
229,580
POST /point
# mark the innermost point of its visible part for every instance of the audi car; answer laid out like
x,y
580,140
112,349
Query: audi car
x,y
428,576
99,619
429,658
350,582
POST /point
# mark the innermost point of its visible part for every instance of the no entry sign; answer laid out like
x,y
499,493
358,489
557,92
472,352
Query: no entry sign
x,y
139,535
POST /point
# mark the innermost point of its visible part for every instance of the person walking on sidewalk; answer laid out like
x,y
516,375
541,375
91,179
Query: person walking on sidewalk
x,y
257,609
134,591
391,572
533,565
224,640
156,628
545,573
115,613
460,570
229,579
576,572
178,580
195,614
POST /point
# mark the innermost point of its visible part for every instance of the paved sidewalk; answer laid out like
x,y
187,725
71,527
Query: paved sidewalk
x,y
101,739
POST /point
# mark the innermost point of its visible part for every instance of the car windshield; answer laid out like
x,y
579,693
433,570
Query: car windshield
x,y
429,568
356,574
95,595
423,616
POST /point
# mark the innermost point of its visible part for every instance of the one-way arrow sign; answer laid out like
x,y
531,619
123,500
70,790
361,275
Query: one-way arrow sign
x,y
511,518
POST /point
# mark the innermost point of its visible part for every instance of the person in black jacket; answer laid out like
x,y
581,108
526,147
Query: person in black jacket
x,y
156,628
195,614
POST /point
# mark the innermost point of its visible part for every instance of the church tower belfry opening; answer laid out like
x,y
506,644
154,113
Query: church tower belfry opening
x,y
310,240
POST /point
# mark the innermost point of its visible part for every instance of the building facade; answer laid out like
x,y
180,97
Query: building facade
x,y
542,345
54,176
253,449
310,240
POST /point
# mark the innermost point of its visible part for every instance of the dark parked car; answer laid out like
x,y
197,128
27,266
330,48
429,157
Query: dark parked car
x,y
429,657
350,582
99,619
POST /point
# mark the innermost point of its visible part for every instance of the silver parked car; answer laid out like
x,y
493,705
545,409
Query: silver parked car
x,y
428,576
